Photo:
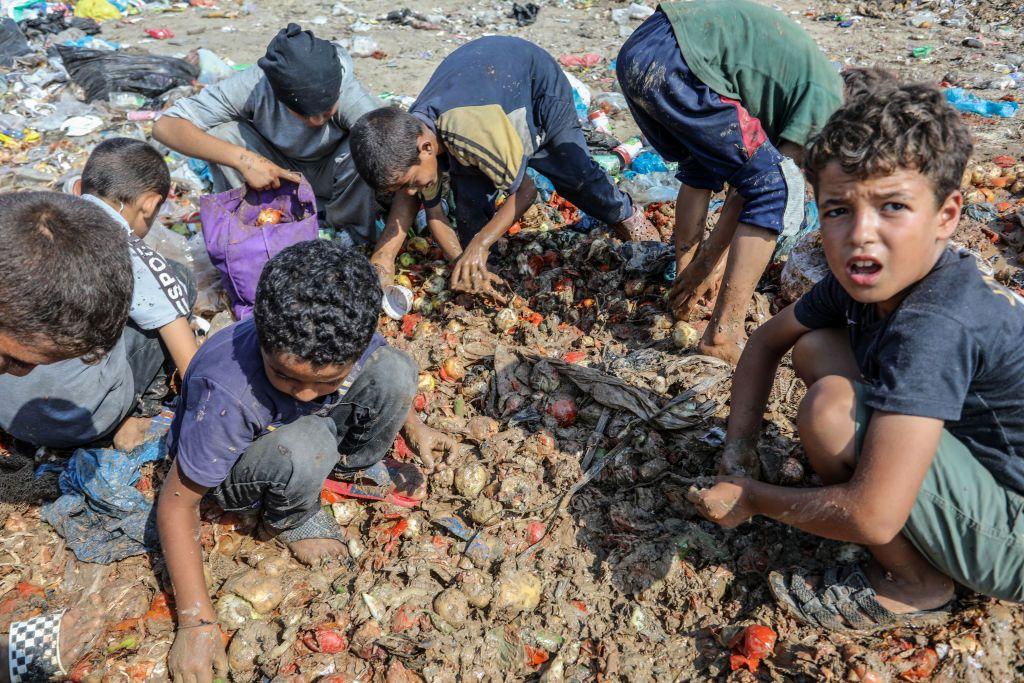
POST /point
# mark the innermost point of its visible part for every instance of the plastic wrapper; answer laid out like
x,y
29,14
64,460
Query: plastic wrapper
x,y
100,72
212,297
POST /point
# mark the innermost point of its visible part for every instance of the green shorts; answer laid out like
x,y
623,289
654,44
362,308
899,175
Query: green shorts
x,y
970,527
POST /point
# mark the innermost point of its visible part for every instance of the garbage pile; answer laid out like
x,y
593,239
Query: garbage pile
x,y
556,543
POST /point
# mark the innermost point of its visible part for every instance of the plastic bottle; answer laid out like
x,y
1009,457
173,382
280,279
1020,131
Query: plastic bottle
x,y
126,101
649,162
600,121
212,68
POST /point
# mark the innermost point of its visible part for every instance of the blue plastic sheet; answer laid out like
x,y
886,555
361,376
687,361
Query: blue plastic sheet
x,y
101,516
971,103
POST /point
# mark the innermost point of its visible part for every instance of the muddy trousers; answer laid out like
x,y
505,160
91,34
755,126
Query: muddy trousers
x,y
345,202
282,473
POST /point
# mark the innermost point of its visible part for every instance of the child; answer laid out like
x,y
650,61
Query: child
x,y
65,290
288,115
732,91
494,107
74,403
914,415
270,407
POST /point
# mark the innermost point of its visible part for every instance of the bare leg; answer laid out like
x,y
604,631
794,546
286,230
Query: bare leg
x,y
749,255
691,217
131,433
902,578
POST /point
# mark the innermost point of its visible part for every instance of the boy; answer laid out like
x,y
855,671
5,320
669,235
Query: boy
x,y
494,107
914,415
732,91
287,116
64,293
270,407
76,402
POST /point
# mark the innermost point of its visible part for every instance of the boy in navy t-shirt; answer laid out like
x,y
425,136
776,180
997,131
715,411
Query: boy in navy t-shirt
x,y
914,414
269,408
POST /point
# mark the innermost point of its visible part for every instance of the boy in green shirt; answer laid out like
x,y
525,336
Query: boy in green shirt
x,y
731,91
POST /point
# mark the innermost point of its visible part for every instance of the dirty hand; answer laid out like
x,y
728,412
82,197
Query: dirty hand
x,y
684,296
197,655
261,173
740,459
428,444
470,274
385,269
726,503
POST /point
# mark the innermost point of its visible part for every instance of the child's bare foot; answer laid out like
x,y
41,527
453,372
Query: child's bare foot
x,y
720,346
131,433
315,551
900,595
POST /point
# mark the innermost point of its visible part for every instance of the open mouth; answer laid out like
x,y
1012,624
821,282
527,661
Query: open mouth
x,y
863,270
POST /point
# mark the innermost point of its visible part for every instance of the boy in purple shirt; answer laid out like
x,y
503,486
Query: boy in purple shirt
x,y
269,408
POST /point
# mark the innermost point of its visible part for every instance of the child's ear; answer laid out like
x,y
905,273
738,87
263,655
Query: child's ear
x,y
949,214
76,187
149,204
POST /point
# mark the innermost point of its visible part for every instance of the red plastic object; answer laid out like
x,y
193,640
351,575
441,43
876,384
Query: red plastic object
x,y
160,33
750,646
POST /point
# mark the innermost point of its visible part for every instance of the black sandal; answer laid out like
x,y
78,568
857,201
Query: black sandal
x,y
845,601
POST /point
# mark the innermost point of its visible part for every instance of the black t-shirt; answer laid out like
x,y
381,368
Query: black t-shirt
x,y
952,350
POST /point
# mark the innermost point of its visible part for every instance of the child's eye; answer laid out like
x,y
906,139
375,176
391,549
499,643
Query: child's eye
x,y
834,213
894,206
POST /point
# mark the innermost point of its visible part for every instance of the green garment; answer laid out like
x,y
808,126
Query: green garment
x,y
754,54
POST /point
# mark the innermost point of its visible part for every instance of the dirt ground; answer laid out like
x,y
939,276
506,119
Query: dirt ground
x,y
521,564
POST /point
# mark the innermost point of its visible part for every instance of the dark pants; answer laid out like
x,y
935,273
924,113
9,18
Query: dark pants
x,y
282,473
714,139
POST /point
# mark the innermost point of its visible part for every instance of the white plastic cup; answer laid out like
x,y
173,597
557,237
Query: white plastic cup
x,y
397,301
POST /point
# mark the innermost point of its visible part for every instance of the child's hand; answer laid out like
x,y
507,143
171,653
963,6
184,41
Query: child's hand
x,y
726,503
470,274
740,459
197,654
427,442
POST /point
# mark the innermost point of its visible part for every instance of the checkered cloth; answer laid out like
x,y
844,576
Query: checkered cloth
x,y
34,650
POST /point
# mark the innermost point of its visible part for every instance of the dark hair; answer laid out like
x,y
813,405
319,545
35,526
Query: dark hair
x,y
122,169
65,273
319,302
384,145
858,80
908,125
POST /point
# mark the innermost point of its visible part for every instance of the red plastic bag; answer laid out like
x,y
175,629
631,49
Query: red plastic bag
x,y
160,33
750,646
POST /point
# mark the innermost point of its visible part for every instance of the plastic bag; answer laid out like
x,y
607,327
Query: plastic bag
x,y
211,67
211,297
56,23
969,102
12,42
99,72
240,248
100,10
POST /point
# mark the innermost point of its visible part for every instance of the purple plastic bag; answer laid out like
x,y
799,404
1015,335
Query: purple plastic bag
x,y
239,248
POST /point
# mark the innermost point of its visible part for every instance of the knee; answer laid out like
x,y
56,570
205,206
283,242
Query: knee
x,y
826,423
300,454
808,352
394,374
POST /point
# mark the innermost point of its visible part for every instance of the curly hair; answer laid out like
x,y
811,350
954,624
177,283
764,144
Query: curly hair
x,y
65,273
317,301
859,80
385,144
886,128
